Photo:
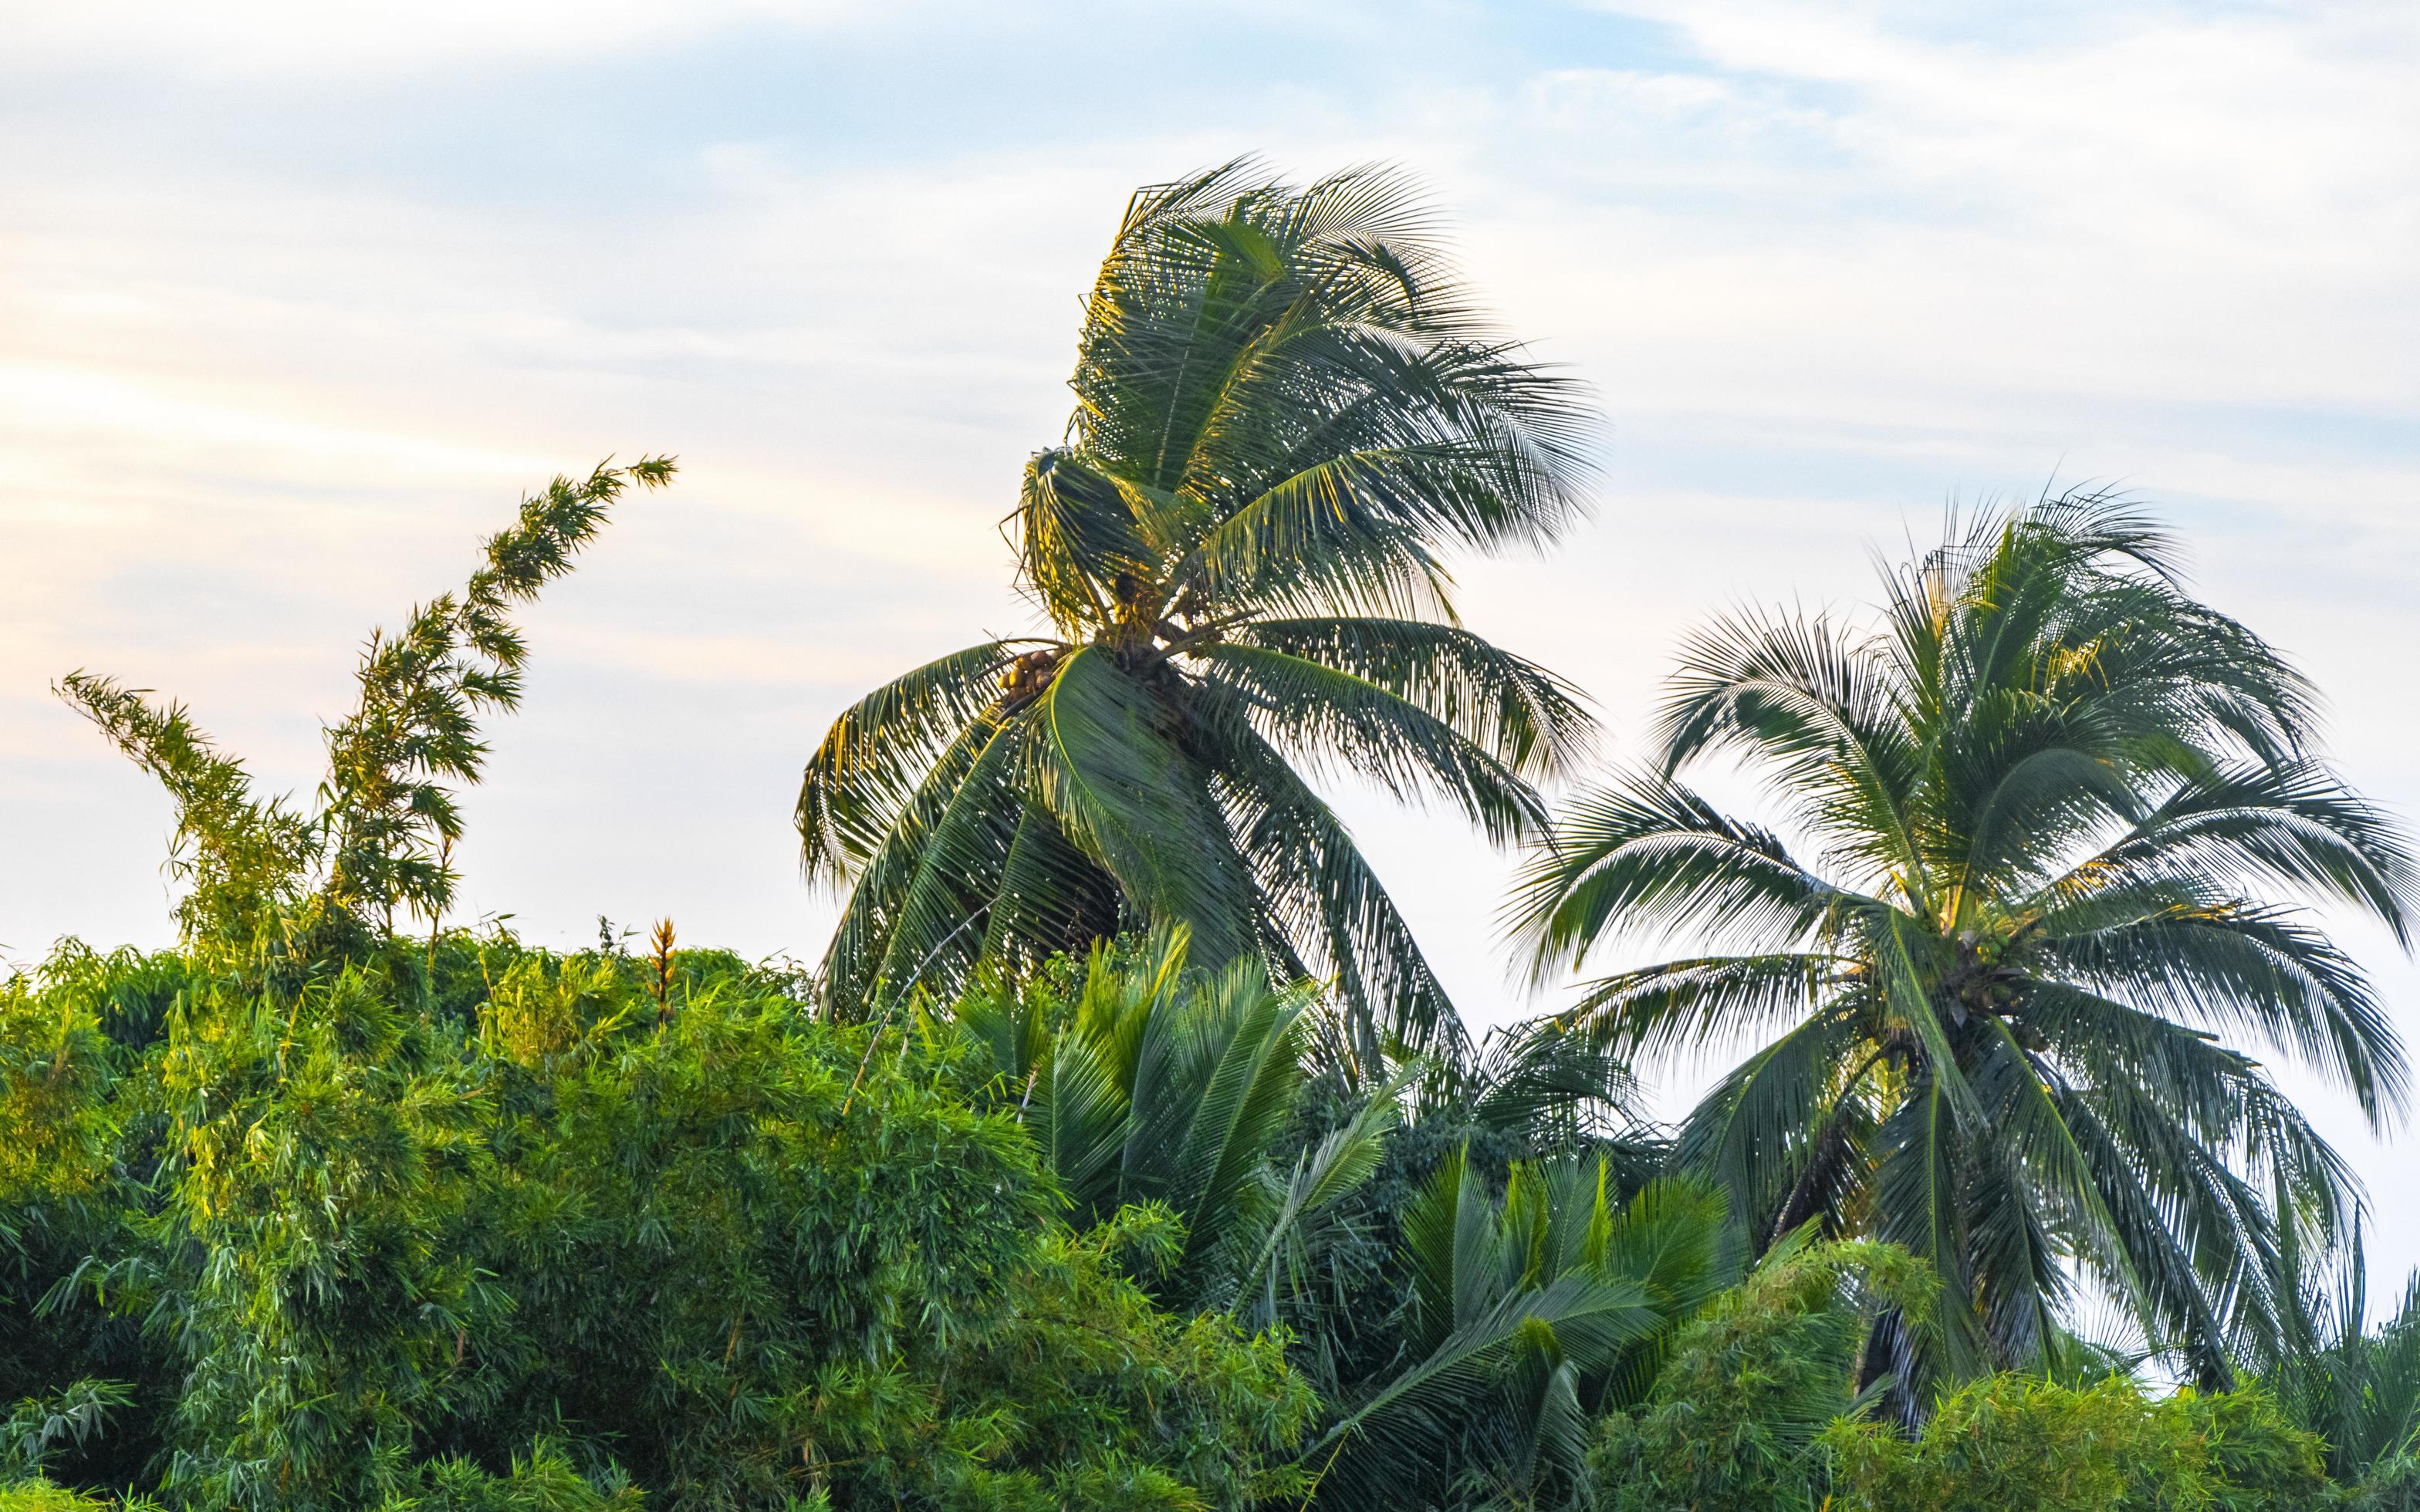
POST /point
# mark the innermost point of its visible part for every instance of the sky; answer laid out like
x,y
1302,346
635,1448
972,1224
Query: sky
x,y
297,300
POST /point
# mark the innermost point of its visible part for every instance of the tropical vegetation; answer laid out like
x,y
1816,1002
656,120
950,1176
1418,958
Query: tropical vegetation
x,y
1121,1151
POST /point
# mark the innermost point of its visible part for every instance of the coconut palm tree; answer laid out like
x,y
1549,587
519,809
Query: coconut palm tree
x,y
1287,412
2058,814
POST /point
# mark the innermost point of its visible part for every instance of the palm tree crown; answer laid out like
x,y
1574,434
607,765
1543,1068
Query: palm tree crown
x,y
2054,805
1286,410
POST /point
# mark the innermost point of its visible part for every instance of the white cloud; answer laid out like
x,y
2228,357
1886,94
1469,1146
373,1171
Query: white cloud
x,y
2157,245
237,38
2236,137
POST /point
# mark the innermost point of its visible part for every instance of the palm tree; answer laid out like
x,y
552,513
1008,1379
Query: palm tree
x,y
1155,1083
1531,1315
2057,811
2358,1388
1287,410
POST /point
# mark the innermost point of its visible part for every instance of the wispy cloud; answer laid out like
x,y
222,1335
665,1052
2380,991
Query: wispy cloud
x,y
251,37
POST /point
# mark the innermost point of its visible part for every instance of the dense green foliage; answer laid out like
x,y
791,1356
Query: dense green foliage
x,y
1066,1184
549,1240
313,1214
2009,1444
582,1225
1735,1420
1146,1083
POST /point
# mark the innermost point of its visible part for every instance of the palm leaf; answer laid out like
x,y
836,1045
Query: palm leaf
x,y
1518,712
1319,712
863,777
1137,804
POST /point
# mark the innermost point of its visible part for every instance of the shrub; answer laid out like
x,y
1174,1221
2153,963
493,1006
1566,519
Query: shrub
x,y
2017,1444
41,1496
1740,1403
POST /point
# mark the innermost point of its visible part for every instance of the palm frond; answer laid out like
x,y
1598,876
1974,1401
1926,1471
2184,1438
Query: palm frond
x,y
1806,700
1753,1134
1684,1006
1050,899
1322,714
1517,711
1320,891
2252,827
957,872
1920,1205
863,777
1322,1177
1649,855
2246,967
861,942
1135,802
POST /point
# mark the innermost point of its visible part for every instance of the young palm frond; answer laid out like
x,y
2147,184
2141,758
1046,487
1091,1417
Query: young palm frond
x,y
2054,814
1163,1085
1530,1317
2356,1386
1289,413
